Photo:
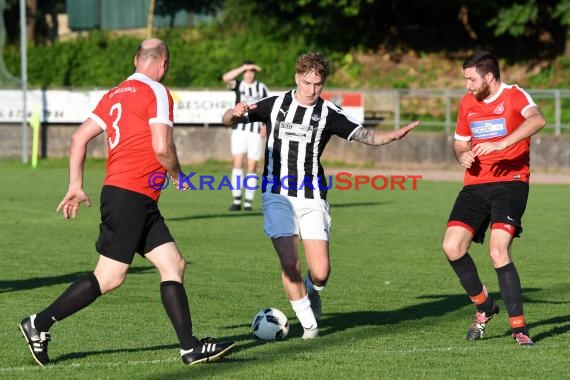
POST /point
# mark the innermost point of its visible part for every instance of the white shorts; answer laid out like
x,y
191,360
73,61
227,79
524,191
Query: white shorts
x,y
243,142
289,216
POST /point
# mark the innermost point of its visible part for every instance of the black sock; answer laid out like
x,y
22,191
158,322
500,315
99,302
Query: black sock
x,y
77,296
469,278
510,286
176,306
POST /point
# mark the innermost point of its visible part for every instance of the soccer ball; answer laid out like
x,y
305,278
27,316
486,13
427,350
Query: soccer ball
x,y
270,324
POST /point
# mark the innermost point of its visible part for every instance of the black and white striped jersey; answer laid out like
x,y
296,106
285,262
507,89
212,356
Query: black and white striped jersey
x,y
249,92
296,138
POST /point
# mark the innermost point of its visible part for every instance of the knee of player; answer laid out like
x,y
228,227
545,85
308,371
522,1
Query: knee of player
x,y
180,265
499,256
320,277
290,267
452,249
109,283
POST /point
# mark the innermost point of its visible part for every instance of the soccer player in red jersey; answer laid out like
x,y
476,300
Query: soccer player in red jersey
x,y
137,117
492,142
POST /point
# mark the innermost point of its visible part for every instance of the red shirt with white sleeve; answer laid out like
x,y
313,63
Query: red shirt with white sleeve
x,y
126,113
491,120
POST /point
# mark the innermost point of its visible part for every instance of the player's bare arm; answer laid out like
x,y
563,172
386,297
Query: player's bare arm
x,y
371,136
237,114
534,122
165,151
77,151
463,153
231,75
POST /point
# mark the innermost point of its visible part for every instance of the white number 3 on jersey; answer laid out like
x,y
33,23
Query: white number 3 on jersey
x,y
116,107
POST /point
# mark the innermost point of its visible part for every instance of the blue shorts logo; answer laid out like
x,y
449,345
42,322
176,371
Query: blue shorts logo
x,y
487,129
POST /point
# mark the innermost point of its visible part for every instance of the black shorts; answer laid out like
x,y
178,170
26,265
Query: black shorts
x,y
501,204
130,222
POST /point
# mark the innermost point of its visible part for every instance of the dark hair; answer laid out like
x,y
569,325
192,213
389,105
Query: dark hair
x,y
248,62
313,61
484,62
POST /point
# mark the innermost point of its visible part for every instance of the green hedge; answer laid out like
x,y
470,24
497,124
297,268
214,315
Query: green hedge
x,y
200,56
198,59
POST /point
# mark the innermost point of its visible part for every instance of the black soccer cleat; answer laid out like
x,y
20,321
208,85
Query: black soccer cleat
x,y
37,340
206,352
235,207
477,328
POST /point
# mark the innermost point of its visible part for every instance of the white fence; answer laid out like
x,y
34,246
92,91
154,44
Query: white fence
x,y
438,108
190,107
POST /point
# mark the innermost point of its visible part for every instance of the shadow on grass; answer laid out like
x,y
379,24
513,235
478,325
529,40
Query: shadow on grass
x,y
332,323
357,204
241,214
561,326
68,278
246,214
440,306
173,347
79,355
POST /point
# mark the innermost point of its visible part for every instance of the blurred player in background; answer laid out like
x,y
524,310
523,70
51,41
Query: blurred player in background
x,y
299,125
138,118
492,142
247,138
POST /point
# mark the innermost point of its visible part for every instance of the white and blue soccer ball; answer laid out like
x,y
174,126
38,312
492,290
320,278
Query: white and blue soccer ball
x,y
270,324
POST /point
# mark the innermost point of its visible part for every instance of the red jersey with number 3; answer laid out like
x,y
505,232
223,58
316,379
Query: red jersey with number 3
x,y
126,113
491,120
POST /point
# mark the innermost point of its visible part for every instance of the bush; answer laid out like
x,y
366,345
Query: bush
x,y
197,60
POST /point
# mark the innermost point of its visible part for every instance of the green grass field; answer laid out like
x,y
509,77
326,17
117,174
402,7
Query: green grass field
x,y
393,308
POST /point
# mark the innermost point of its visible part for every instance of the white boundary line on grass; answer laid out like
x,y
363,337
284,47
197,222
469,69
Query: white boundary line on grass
x,y
82,364
85,365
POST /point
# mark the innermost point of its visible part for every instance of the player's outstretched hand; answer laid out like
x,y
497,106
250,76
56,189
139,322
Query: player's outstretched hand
x,y
242,108
400,133
70,203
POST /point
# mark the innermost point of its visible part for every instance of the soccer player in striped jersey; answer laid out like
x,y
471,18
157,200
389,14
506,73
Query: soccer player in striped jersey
x,y
137,117
247,138
492,142
299,125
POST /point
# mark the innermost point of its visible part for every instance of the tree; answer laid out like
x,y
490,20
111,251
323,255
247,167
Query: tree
x,y
5,77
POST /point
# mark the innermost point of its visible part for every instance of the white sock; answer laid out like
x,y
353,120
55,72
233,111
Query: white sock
x,y
304,312
237,183
310,286
250,189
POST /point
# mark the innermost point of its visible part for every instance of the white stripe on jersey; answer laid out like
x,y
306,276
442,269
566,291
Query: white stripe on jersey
x,y
297,135
250,93
98,120
162,105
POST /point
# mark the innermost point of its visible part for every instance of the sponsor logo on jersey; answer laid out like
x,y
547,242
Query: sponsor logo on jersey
x,y
486,129
295,132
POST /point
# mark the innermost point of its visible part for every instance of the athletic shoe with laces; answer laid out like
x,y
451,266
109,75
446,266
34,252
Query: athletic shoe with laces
x,y
310,333
315,299
477,328
523,339
37,340
208,351
247,207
